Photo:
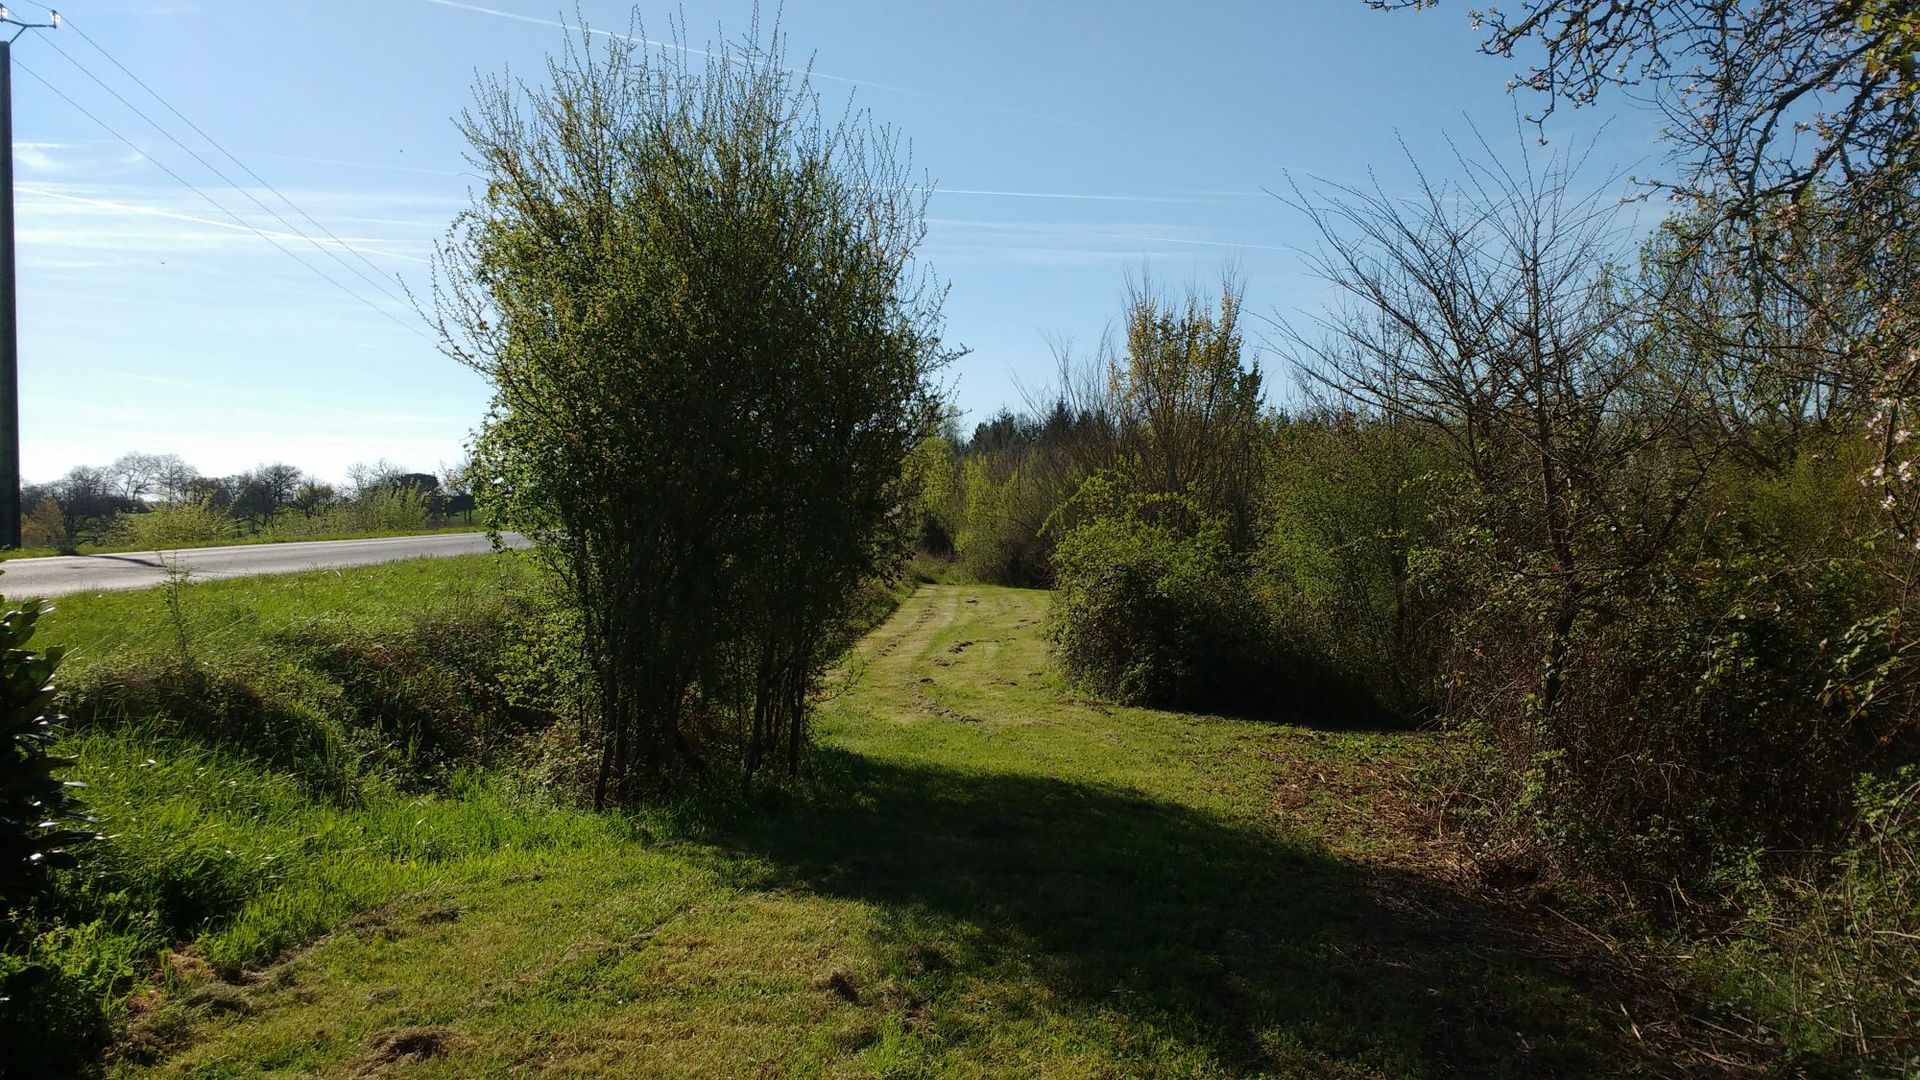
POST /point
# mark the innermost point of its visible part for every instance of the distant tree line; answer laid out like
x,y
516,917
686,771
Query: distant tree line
x,y
149,500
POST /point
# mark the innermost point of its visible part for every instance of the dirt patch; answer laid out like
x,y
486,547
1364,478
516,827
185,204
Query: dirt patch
x,y
1362,805
185,966
839,984
439,913
924,958
219,997
928,705
398,1047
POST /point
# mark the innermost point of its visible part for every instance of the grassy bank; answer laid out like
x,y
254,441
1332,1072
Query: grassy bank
x,y
271,756
984,875
234,541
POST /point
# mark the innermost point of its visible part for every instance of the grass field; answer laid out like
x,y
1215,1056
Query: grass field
x,y
236,541
222,616
983,876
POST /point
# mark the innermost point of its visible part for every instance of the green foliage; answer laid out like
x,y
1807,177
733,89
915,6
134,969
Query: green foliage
x,y
1187,405
710,358
1729,707
39,818
1000,537
61,995
1829,959
43,525
232,864
1345,517
171,525
934,479
308,752
340,703
1149,605
50,992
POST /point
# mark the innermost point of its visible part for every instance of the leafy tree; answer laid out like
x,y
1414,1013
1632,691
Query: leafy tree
x,y
43,525
1188,406
710,357
215,491
312,497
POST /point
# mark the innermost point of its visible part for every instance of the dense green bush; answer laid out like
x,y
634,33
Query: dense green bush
x,y
1708,718
50,993
388,509
60,992
1000,538
1345,520
1715,706
1149,607
171,525
692,294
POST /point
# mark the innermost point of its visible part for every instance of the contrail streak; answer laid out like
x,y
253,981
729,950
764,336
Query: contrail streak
x,y
689,50
175,215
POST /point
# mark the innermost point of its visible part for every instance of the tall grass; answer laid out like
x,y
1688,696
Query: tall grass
x,y
270,757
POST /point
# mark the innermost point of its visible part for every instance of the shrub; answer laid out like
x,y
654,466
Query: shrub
x,y
1148,606
39,820
385,509
1345,517
52,998
60,996
1715,707
1826,962
1707,719
44,525
711,355
1000,538
170,525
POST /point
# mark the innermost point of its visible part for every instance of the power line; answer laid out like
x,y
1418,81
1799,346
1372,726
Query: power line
x,y
211,141
227,180
216,204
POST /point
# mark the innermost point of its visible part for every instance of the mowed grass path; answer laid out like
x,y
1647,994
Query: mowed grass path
x,y
984,875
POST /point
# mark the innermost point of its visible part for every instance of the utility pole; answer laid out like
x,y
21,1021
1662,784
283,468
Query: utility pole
x,y
9,312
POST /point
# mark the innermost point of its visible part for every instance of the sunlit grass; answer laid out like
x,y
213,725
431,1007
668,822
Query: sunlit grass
x,y
224,615
982,875
236,541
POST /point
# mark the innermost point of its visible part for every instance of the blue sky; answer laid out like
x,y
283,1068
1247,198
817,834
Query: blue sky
x,y
1072,145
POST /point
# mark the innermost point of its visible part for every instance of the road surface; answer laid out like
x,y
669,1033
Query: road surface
x,y
63,574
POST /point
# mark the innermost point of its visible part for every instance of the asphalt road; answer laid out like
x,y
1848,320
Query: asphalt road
x,y
63,574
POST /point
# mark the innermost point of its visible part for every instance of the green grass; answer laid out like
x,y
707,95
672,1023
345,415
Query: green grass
x,y
237,541
983,875
231,615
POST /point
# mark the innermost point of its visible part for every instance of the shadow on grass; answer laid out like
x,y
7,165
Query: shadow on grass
x,y
1203,935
